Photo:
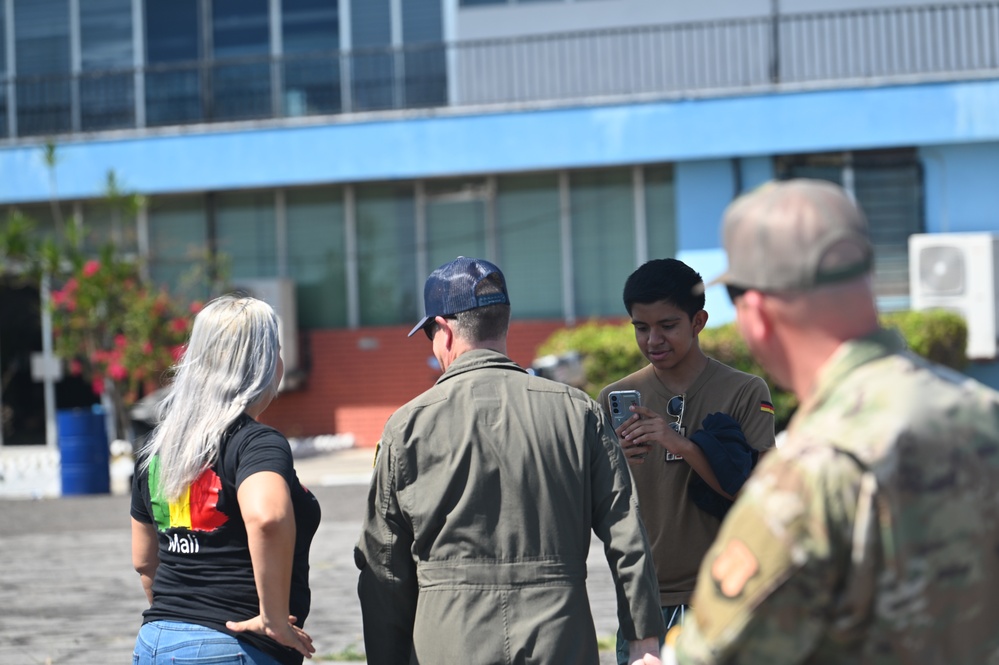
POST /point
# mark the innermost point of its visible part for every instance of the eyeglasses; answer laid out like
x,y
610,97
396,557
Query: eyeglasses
x,y
735,292
674,409
432,326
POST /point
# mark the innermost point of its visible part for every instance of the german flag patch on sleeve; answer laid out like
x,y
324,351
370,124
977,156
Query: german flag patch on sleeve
x,y
768,407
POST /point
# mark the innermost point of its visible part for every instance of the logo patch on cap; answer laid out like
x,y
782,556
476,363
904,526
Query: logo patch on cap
x,y
492,299
733,568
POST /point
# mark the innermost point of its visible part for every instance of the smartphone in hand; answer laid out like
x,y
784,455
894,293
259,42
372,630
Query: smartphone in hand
x,y
621,402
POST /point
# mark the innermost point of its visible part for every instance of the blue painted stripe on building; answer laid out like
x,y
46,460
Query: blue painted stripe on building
x,y
918,115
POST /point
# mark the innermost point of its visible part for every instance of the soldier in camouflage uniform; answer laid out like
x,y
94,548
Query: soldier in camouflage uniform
x,y
872,534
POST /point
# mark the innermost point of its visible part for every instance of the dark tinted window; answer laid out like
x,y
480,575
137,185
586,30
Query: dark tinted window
x,y
310,25
41,44
173,95
42,36
106,89
240,27
311,35
171,30
371,23
3,44
3,72
421,21
106,34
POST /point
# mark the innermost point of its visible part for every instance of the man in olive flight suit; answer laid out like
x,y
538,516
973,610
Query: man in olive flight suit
x,y
872,535
486,491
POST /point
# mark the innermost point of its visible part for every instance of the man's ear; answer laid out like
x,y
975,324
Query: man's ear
x,y
445,325
699,321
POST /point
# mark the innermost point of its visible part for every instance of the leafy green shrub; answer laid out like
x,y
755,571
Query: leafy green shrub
x,y
725,344
609,351
938,335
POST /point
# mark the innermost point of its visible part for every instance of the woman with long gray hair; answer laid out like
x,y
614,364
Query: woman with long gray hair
x,y
221,526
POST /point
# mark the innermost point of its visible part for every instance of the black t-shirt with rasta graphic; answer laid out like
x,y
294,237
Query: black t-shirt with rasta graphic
x,y
205,575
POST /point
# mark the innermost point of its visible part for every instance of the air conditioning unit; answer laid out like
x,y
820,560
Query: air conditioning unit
x,y
959,272
279,293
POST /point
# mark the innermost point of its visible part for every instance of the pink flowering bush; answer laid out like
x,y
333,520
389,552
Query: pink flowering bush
x,y
116,331
111,327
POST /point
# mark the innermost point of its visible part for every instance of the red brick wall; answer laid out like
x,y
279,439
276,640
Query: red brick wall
x,y
358,378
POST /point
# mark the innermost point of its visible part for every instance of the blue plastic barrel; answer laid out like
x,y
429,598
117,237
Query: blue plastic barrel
x,y
84,454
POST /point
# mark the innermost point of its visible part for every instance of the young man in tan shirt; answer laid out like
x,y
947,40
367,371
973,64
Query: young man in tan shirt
x,y
696,436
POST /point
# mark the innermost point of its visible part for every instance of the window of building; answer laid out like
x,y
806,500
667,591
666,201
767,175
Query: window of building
x,y
179,245
603,239
240,28
241,48
475,3
456,219
311,38
4,122
41,46
317,256
386,255
246,233
888,185
660,212
310,25
173,47
373,64
397,61
42,37
422,21
425,67
172,31
107,84
528,228
400,232
214,60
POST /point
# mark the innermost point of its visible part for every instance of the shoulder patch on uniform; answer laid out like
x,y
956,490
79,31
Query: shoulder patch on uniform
x,y
767,407
735,566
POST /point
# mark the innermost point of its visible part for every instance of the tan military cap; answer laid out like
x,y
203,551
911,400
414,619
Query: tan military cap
x,y
794,235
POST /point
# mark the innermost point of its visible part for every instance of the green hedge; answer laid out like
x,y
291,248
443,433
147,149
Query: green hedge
x,y
609,351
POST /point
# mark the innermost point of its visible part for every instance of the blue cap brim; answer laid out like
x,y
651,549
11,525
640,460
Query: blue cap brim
x,y
419,325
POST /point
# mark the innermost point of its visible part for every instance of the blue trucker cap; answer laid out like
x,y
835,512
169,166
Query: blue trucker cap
x,y
451,289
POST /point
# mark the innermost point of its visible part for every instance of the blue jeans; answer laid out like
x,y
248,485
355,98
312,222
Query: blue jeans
x,y
673,615
176,643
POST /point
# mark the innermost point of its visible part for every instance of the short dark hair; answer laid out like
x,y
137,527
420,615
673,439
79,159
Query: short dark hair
x,y
665,280
484,323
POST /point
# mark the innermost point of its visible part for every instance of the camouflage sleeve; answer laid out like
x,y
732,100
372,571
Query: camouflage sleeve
x,y
767,588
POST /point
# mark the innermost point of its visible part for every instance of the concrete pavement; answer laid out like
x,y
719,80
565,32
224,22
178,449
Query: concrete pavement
x,y
69,595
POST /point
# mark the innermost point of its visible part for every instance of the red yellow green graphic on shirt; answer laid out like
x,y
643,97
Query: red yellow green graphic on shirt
x,y
197,507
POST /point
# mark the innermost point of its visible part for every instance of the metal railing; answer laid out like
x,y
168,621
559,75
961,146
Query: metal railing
x,y
777,52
